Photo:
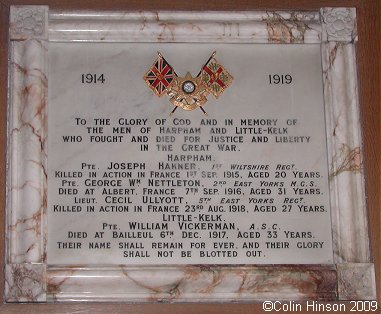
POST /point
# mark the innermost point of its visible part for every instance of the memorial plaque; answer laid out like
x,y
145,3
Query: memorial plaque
x,y
130,184
185,157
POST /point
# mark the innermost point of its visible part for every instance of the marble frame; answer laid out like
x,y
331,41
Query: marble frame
x,y
28,277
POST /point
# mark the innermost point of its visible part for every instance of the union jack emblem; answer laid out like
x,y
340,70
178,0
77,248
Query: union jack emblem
x,y
159,76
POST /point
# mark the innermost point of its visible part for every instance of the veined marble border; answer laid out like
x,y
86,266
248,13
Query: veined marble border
x,y
30,279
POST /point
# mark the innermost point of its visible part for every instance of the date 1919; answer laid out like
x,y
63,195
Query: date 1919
x,y
280,79
92,78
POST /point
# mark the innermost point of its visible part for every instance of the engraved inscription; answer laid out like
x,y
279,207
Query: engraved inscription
x,y
129,184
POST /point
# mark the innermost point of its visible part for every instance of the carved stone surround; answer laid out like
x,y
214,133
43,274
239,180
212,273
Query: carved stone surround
x,y
28,22
29,279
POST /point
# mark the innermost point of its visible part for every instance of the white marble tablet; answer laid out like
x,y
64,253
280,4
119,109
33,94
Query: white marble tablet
x,y
128,184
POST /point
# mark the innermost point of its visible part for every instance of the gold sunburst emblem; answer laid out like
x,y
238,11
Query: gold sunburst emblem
x,y
188,92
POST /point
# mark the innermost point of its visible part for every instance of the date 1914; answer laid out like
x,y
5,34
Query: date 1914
x,y
90,78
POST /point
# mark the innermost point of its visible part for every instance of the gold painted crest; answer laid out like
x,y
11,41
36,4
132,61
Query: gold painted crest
x,y
188,92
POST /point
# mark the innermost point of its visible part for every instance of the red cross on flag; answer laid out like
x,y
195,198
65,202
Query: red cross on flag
x,y
159,76
215,78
